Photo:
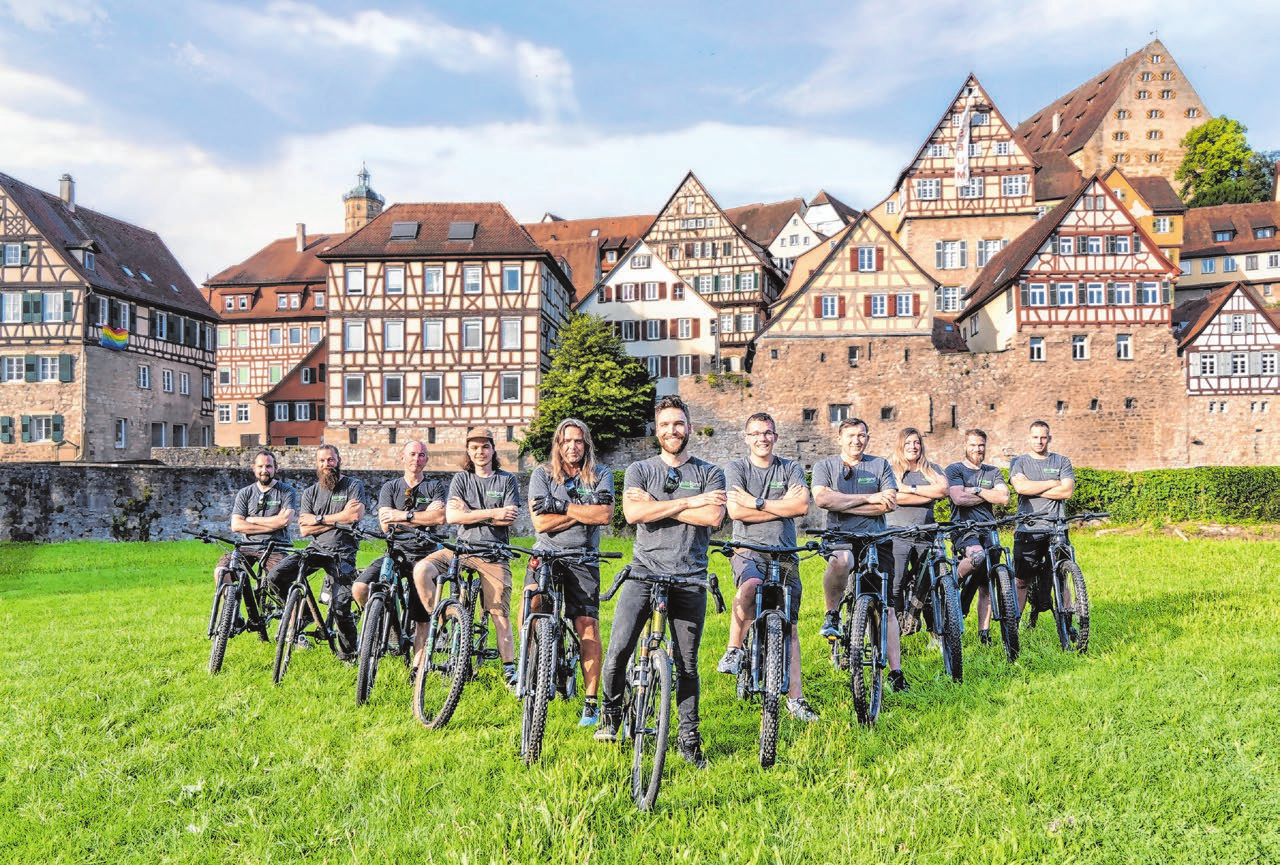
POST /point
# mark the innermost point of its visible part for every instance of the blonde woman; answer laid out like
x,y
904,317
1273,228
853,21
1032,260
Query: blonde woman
x,y
921,484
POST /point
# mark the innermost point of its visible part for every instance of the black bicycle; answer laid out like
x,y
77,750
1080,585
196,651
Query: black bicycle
x,y
300,616
456,643
549,646
386,628
766,645
248,586
1064,592
934,596
995,570
646,710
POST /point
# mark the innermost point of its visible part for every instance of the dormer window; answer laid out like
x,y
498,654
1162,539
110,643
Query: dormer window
x,y
229,303
1223,236
317,300
1264,232
282,301
90,261
144,275
243,301
127,271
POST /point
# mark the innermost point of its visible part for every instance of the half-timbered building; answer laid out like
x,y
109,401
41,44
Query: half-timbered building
x,y
710,252
441,317
1230,342
106,345
658,317
1157,207
1230,243
590,247
295,407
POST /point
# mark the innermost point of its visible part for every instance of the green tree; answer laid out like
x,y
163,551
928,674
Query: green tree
x,y
1219,166
592,378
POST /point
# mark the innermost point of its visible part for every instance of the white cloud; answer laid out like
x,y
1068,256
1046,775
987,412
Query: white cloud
x,y
45,14
37,91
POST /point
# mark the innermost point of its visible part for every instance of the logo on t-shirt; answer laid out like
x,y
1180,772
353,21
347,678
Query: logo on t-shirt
x,y
865,480
338,500
493,494
1051,472
777,485
690,485
985,482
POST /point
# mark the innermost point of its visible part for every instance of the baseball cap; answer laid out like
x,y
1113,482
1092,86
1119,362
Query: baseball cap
x,y
479,432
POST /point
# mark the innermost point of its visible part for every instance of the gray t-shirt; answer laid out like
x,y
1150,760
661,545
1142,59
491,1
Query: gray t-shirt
x,y
870,475
668,546
318,501
769,483
252,502
913,515
577,536
427,492
499,490
984,476
1054,467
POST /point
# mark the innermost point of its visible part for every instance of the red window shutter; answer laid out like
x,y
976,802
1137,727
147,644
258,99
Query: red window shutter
x,y
663,367
879,258
663,330
662,291
688,250
915,304
853,259
697,328
608,293
817,306
840,308
866,306
697,364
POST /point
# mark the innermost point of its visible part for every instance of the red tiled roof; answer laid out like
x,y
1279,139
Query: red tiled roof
x,y
1201,222
762,222
1158,193
583,258
291,388
1195,315
497,233
116,245
280,262
1056,175
580,242
946,336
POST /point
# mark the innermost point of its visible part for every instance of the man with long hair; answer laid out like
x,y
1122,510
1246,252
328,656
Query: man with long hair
x,y
1043,481
674,500
483,501
766,494
569,500
333,498
262,511
975,488
921,484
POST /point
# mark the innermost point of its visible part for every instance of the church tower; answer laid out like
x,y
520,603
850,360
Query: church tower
x,y
362,203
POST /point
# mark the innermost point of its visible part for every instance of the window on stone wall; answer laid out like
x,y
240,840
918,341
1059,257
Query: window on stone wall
x,y
809,415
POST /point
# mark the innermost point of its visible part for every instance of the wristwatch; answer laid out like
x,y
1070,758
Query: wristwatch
x,y
408,516
759,503
320,519
913,489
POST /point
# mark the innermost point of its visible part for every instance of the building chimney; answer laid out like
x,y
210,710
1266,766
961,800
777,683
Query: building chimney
x,y
67,191
1057,120
302,237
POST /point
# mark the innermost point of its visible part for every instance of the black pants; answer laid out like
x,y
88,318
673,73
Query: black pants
x,y
686,612
907,556
343,573
1031,558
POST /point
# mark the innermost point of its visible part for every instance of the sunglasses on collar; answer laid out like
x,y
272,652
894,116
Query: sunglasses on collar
x,y
672,483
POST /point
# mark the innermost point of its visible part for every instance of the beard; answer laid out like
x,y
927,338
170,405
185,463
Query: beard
x,y
666,444
328,478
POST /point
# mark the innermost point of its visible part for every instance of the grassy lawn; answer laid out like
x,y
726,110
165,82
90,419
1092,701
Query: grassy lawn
x,y
1162,745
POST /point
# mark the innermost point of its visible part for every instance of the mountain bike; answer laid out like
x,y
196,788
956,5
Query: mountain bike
x,y
300,616
1004,595
247,585
549,647
1060,587
935,597
457,645
766,645
646,702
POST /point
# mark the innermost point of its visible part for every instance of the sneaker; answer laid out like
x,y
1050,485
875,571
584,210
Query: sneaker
x,y
607,731
590,714
509,675
731,663
984,637
831,625
898,682
801,710
691,751
301,642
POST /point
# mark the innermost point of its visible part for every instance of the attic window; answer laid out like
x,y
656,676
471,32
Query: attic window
x,y
144,275
174,287
462,231
127,271
595,232
90,263
405,230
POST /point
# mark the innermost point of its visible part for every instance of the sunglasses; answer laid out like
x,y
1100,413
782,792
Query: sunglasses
x,y
408,498
262,503
672,483
573,487
847,473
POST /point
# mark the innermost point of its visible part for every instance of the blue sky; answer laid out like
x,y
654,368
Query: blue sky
x,y
222,124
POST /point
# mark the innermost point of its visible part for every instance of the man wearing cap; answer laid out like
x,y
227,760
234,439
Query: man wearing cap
x,y
483,501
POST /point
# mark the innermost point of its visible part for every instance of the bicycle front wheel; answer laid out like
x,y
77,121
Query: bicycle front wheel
x,y
650,725
866,662
771,699
373,642
539,666
287,633
1008,611
1069,574
229,603
446,665
952,624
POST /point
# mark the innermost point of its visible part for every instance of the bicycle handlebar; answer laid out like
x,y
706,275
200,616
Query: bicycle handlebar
x,y
208,537
726,548
711,584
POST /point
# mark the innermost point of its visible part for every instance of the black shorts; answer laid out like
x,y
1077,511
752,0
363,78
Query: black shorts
x,y
749,566
884,553
907,556
581,589
417,612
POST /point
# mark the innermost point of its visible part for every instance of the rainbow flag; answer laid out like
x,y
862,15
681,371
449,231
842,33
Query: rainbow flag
x,y
114,339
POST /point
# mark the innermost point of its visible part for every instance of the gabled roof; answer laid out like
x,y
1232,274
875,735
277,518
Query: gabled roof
x,y
763,222
845,212
496,233
116,245
946,336
581,241
291,386
1158,193
809,263
1056,175
279,262
1202,222
1192,317
757,249
1081,112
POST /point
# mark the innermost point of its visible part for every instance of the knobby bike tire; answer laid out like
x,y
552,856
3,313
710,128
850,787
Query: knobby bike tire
x,y
229,604
771,699
1008,611
1073,576
373,642
651,724
951,624
290,618
539,679
866,665
446,665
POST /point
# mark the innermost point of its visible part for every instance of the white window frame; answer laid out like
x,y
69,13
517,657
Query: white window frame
x,y
393,280
302,411
1124,346
166,380
1095,294
512,334
242,412
393,389
508,271
473,334
432,381
353,334
1035,349
866,259
472,279
928,188
144,377
1066,294
353,281
879,306
508,381
684,364
1208,363
684,328
280,412
353,389
902,304
1079,347
472,388
393,334
432,334
433,280
224,412
1014,185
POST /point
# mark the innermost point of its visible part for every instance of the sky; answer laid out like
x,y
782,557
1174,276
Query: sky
x,y
221,125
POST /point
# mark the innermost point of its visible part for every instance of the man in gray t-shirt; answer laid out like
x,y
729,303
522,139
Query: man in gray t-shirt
x,y
674,500
1043,481
975,488
766,494
857,490
262,512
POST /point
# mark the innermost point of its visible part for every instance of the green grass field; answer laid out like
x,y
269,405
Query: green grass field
x,y
1162,745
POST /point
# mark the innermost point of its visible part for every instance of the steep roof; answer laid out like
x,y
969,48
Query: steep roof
x,y
280,262
116,245
847,213
581,241
1056,175
1080,112
946,336
291,386
1202,222
809,263
496,233
762,222
1158,193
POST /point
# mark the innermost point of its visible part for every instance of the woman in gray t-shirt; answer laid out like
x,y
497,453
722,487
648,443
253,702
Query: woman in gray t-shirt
x,y
921,484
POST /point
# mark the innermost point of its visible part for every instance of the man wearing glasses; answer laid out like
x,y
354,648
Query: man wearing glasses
x,y
674,500
411,501
766,494
857,490
262,512
569,500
